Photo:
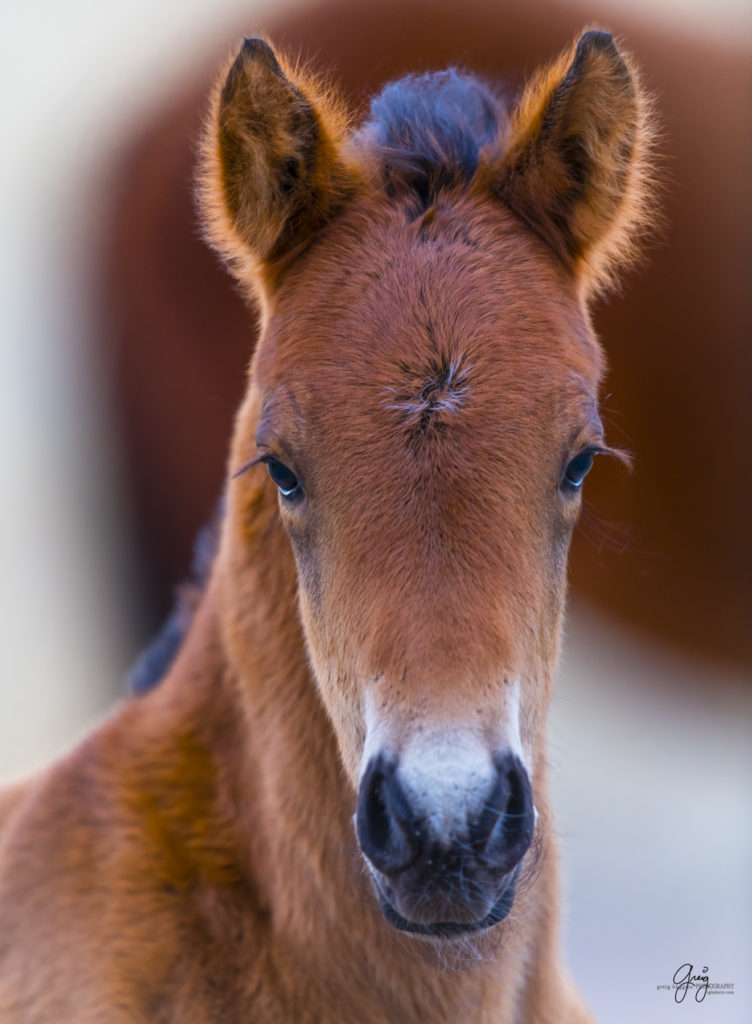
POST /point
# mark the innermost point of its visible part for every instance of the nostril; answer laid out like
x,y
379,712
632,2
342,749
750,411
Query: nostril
x,y
385,824
504,831
377,814
515,820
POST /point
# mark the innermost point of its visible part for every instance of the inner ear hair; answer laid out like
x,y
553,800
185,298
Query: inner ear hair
x,y
272,170
579,165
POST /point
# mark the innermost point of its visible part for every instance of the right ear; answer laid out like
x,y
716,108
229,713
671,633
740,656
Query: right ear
x,y
272,171
578,169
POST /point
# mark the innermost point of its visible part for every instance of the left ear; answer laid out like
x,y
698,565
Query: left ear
x,y
272,171
576,168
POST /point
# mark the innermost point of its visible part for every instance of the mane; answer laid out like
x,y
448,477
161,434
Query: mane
x,y
152,663
425,133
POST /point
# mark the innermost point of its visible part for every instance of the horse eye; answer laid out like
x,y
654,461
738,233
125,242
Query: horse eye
x,y
284,478
577,470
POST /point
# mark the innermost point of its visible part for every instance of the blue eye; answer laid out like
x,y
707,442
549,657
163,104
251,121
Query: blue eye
x,y
577,470
284,478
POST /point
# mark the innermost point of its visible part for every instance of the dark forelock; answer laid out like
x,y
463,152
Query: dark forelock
x,y
427,131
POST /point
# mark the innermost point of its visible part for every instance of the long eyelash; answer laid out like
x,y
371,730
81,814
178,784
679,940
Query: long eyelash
x,y
620,454
608,415
250,465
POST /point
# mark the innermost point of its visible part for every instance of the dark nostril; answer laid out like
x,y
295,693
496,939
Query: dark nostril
x,y
504,831
387,831
376,813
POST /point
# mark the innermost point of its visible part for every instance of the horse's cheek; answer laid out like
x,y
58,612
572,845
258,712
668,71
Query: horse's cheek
x,y
337,685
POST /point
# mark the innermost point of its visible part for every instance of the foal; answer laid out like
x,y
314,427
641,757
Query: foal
x,y
340,785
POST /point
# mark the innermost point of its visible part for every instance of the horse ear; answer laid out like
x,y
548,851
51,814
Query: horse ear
x,y
272,173
576,168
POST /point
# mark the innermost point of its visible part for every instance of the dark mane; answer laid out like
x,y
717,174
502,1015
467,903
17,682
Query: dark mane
x,y
427,131
152,663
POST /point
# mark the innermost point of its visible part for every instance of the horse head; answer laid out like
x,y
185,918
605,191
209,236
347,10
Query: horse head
x,y
424,400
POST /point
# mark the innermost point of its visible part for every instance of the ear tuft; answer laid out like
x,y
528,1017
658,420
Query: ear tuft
x,y
272,171
258,50
578,167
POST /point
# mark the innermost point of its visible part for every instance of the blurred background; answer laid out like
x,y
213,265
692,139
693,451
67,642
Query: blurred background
x,y
122,354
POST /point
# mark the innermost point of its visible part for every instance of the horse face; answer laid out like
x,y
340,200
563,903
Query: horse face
x,y
424,397
419,441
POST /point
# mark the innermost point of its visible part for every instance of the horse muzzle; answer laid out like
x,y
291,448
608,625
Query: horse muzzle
x,y
449,870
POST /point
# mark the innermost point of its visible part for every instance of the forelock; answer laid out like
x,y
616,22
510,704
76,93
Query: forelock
x,y
426,132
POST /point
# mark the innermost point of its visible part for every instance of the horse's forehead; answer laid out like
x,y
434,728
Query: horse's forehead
x,y
392,317
391,290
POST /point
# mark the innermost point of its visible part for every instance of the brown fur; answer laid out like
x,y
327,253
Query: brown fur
x,y
194,859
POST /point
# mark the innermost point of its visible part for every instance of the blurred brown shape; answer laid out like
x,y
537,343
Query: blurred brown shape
x,y
678,340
